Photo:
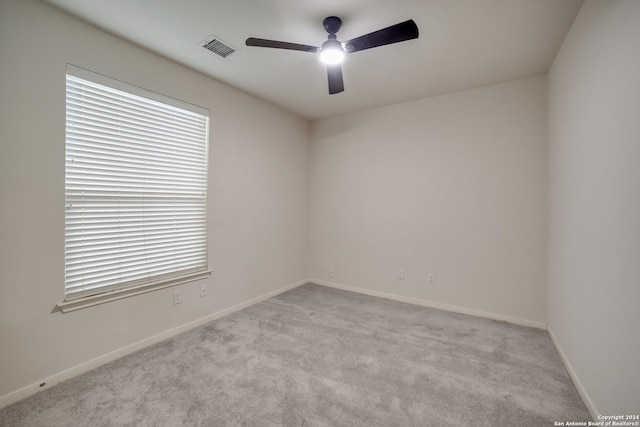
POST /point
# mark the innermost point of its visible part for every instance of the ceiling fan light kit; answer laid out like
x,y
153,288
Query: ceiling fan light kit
x,y
333,51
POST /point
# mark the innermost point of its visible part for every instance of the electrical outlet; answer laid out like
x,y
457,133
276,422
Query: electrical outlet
x,y
400,275
177,297
431,278
203,290
331,273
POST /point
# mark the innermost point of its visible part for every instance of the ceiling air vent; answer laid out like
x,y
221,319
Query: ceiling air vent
x,y
217,46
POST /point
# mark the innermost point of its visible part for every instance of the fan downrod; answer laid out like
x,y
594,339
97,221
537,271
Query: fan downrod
x,y
332,24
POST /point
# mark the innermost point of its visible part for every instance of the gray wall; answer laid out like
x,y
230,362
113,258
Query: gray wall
x,y
453,185
594,214
257,203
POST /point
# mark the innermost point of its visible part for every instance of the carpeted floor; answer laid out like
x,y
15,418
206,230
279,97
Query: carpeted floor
x,y
317,356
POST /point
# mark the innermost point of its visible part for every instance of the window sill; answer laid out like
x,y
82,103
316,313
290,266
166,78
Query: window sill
x,y
89,301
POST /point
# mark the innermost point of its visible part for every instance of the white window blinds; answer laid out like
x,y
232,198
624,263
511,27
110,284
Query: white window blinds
x,y
135,187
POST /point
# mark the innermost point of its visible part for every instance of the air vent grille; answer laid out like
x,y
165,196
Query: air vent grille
x,y
217,46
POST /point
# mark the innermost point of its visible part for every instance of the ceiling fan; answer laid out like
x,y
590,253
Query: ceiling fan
x,y
333,51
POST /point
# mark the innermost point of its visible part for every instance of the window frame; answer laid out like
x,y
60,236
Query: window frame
x,y
105,293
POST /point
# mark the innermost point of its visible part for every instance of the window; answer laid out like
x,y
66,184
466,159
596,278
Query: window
x,y
135,190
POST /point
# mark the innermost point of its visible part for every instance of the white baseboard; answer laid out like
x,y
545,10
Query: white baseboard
x,y
574,377
29,390
433,304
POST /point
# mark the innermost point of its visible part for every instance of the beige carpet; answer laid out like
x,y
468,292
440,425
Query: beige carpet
x,y
316,356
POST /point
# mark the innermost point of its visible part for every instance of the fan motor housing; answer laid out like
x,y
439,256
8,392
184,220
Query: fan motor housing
x,y
332,24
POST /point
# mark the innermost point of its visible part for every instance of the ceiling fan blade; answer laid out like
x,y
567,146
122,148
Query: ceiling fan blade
x,y
251,41
336,85
403,31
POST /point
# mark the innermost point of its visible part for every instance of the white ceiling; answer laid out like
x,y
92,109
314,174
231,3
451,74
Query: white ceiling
x,y
463,44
